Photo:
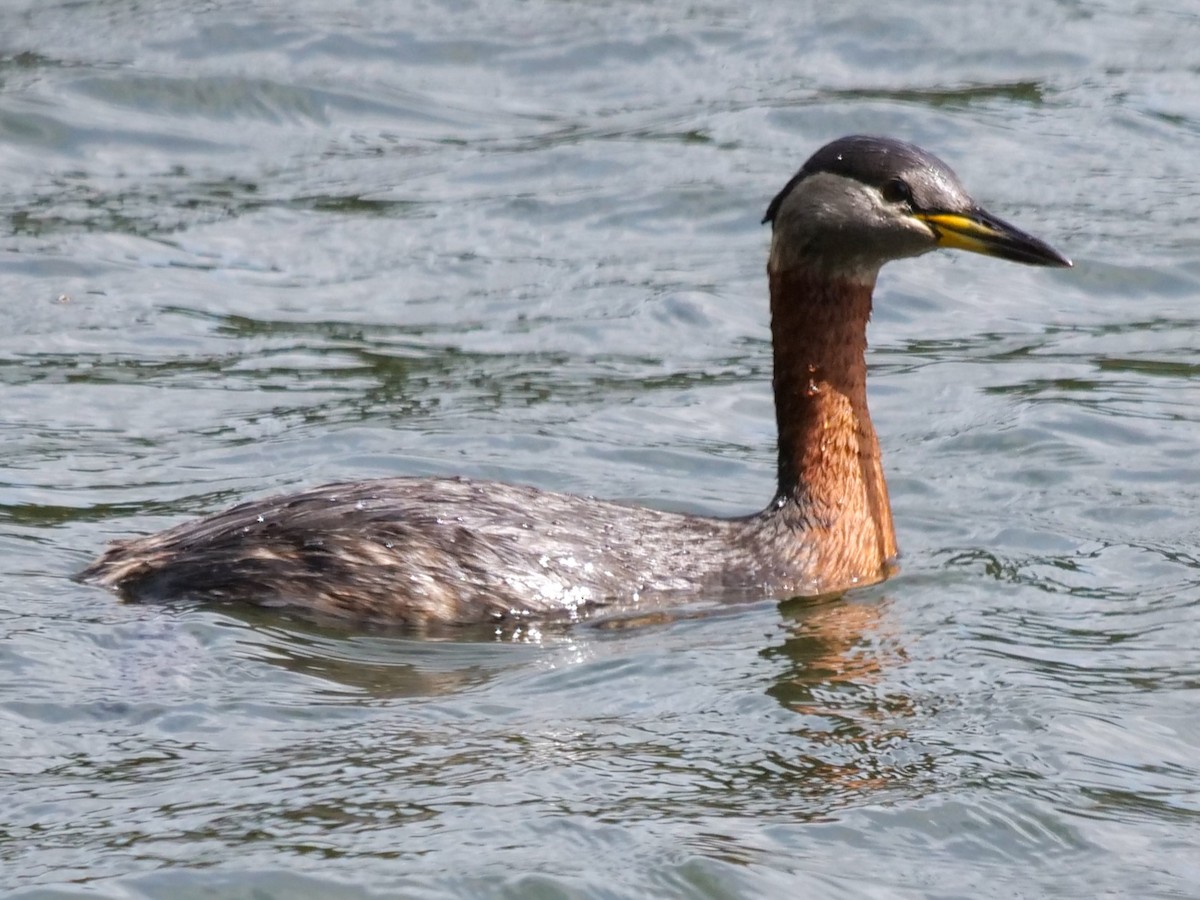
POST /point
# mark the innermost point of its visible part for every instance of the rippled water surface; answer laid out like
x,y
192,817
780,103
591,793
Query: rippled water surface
x,y
254,246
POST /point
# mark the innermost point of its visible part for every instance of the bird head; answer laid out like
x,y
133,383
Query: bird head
x,y
862,201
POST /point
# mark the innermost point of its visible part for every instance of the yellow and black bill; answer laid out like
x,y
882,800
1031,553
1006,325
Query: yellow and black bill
x,y
979,231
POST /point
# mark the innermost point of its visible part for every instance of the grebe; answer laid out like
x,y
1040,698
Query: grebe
x,y
432,551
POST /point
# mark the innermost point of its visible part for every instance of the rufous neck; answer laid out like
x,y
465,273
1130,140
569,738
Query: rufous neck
x,y
830,472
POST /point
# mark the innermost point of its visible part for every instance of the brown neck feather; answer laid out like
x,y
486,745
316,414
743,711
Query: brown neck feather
x,y
831,484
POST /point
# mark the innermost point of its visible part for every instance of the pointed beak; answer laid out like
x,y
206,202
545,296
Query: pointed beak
x,y
980,232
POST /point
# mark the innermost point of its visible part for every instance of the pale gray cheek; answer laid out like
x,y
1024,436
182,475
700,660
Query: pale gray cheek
x,y
918,239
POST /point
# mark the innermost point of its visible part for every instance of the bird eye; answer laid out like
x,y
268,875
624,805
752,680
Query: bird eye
x,y
897,191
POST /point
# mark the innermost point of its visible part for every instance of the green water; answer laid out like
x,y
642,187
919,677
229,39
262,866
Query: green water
x,y
250,247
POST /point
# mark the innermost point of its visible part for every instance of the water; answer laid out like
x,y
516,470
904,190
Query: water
x,y
249,247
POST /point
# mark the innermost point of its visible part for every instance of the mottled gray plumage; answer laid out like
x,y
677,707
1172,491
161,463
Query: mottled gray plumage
x,y
419,551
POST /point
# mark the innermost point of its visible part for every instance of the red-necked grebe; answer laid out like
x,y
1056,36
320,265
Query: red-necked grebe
x,y
426,551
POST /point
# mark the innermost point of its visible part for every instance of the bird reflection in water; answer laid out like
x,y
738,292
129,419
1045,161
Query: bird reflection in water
x,y
836,658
